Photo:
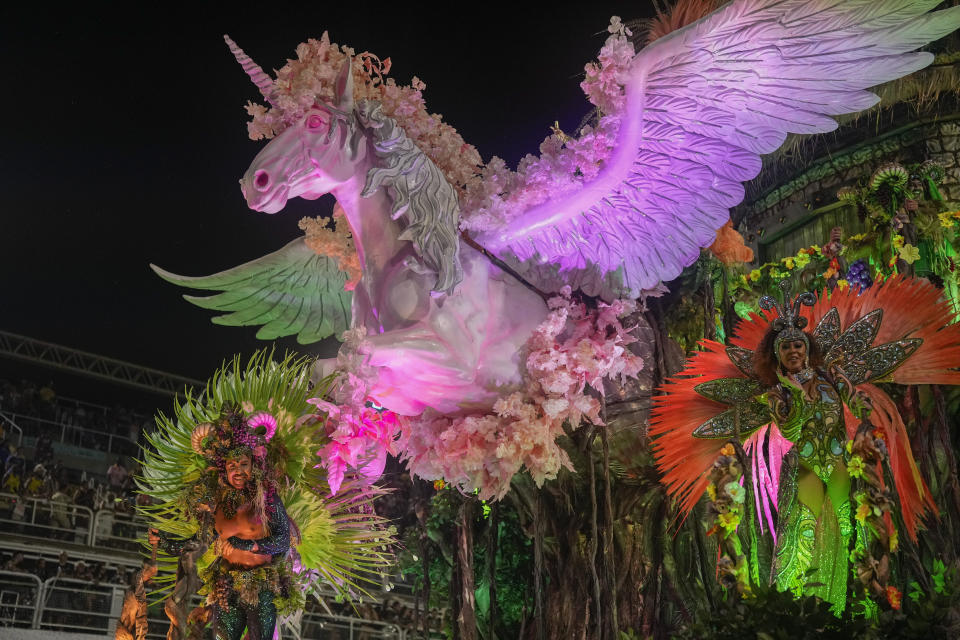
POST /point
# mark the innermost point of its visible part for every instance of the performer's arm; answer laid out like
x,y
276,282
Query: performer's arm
x,y
278,542
172,546
786,402
859,403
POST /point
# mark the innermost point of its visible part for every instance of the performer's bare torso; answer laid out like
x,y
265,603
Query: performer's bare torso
x,y
242,525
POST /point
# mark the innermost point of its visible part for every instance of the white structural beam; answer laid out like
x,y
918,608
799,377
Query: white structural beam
x,y
92,365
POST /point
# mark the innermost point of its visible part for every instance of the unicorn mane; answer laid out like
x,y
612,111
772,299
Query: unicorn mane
x,y
420,193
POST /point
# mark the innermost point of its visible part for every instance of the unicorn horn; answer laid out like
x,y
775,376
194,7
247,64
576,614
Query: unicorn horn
x,y
261,79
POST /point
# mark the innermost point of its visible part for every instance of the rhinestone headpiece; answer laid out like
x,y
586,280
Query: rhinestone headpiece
x,y
789,325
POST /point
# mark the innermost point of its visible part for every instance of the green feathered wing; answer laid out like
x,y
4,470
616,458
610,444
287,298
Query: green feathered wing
x,y
293,291
336,537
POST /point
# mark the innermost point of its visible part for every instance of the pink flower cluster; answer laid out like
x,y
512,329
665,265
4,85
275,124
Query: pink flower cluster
x,y
311,78
360,436
565,163
574,348
336,243
360,440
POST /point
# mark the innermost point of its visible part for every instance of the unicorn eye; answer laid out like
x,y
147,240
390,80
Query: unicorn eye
x,y
316,122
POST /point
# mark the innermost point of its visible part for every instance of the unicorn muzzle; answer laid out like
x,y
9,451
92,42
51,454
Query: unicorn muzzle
x,y
262,192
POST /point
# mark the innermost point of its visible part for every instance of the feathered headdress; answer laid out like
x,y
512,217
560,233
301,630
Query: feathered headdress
x,y
789,325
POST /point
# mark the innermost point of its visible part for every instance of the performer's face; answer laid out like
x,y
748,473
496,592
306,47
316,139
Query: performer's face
x,y
793,354
238,471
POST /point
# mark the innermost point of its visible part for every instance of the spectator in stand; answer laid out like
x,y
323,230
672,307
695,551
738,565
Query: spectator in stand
x,y
47,394
39,483
63,565
13,479
59,514
117,475
43,452
15,563
43,570
12,484
4,454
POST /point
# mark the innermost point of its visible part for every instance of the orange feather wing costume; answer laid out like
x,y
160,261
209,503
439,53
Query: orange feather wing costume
x,y
913,319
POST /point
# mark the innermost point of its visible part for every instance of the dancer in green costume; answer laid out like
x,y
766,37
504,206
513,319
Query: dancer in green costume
x,y
807,403
819,438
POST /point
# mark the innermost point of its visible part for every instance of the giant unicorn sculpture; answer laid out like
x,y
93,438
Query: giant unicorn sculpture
x,y
446,325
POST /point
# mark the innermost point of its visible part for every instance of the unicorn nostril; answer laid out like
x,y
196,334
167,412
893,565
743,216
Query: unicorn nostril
x,y
261,180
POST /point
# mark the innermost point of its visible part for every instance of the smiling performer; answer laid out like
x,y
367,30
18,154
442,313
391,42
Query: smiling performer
x,y
246,521
820,442
240,494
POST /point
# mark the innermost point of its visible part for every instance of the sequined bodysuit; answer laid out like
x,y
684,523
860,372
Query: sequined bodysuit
x,y
817,431
812,550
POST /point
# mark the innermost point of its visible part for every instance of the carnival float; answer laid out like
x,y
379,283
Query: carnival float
x,y
633,428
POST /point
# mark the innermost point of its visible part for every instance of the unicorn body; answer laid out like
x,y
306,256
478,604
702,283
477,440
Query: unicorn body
x,y
446,326
694,112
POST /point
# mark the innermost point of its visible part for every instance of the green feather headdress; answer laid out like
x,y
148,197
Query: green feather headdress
x,y
338,538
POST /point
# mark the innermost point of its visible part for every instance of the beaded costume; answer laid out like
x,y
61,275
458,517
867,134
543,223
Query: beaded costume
x,y
827,425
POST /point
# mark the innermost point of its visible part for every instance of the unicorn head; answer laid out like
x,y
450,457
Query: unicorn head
x,y
310,158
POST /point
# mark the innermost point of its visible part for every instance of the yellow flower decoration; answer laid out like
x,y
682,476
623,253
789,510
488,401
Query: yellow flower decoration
x,y
909,253
842,285
855,467
897,241
729,521
788,263
894,541
712,492
755,275
946,219
802,260
862,512
728,450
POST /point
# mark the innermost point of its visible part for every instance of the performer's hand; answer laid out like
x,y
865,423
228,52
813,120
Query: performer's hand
x,y
861,402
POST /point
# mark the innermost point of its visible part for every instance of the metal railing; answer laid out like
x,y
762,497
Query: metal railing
x,y
75,435
19,595
10,423
117,530
318,626
68,604
79,605
46,518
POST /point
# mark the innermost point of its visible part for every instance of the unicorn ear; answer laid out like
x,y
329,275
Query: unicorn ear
x,y
344,91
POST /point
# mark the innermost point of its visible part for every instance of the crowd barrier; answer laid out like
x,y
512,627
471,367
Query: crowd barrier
x,y
50,519
66,604
71,434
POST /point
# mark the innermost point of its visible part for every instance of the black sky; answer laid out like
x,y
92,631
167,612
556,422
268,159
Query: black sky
x,y
125,136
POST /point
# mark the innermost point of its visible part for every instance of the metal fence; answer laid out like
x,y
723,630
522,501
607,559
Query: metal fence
x,y
67,604
48,519
72,434
19,595
51,519
8,423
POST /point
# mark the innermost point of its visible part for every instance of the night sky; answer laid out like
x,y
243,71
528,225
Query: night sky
x,y
125,136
